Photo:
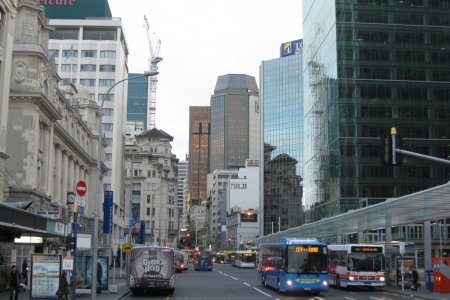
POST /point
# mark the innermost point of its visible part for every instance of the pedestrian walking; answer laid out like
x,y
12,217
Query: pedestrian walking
x,y
25,271
15,280
63,288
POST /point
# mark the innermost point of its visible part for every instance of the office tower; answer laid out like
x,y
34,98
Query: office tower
x,y
282,132
370,66
199,135
137,98
235,122
183,171
90,50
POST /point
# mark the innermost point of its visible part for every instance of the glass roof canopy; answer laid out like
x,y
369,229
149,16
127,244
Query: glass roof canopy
x,y
428,205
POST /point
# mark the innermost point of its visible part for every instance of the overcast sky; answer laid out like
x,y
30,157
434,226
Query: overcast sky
x,y
201,40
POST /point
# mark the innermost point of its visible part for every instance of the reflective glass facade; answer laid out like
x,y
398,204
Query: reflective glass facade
x,y
233,108
282,99
369,66
137,99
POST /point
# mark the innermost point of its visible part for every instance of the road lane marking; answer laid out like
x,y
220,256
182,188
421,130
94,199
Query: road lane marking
x,y
247,284
375,298
262,292
233,277
349,298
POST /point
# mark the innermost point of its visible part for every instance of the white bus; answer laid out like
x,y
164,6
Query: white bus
x,y
245,259
356,265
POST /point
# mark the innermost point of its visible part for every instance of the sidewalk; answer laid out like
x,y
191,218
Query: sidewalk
x,y
421,292
122,290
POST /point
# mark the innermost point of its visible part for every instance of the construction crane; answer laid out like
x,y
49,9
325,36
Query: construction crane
x,y
153,63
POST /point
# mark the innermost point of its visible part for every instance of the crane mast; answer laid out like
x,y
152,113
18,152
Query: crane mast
x,y
153,80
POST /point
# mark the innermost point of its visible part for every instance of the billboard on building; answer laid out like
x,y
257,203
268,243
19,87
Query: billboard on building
x,y
291,48
75,9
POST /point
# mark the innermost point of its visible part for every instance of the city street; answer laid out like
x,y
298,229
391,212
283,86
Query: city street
x,y
227,282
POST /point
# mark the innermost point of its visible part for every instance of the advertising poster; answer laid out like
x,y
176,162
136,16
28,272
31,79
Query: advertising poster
x,y
409,263
102,272
45,272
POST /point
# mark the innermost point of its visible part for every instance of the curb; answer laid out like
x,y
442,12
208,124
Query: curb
x,y
412,295
123,295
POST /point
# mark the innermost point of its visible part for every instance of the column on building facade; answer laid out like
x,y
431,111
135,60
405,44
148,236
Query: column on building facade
x,y
388,236
56,173
71,179
59,176
50,162
360,237
77,172
427,244
65,173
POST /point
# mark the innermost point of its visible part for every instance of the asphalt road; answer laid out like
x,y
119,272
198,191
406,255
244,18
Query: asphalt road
x,y
226,282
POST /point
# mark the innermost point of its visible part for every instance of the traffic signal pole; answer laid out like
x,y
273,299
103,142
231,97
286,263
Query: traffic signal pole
x,y
436,159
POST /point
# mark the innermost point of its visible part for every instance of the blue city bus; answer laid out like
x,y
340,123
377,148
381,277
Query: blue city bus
x,y
294,265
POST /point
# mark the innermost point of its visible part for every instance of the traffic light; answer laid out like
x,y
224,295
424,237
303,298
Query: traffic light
x,y
71,242
389,144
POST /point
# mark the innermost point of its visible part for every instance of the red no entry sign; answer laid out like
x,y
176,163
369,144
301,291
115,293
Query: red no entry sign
x,y
81,188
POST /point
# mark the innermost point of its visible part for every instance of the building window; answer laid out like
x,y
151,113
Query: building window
x,y
64,34
108,112
148,198
108,156
108,54
88,68
107,126
88,53
106,82
87,82
97,34
148,211
109,97
68,68
107,187
107,68
51,52
69,53
109,141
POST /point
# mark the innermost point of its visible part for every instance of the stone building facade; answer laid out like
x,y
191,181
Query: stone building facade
x,y
151,175
8,10
50,141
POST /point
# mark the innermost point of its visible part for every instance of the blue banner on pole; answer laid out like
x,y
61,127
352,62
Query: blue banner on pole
x,y
142,233
108,212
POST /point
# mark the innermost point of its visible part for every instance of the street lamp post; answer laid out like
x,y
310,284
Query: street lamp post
x,y
97,190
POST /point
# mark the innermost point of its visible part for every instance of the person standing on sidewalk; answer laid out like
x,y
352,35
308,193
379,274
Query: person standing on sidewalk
x,y
15,280
63,289
25,271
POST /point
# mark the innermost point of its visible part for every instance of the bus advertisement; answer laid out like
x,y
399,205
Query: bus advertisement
x,y
152,267
357,265
245,259
294,265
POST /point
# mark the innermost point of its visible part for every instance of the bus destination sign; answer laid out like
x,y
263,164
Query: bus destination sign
x,y
362,249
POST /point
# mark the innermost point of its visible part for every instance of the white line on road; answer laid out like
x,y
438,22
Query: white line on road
x,y
349,298
317,298
233,277
262,292
375,298
247,284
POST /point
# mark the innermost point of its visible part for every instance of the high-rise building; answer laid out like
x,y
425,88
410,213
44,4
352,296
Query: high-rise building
x,y
90,50
183,171
282,132
199,135
137,98
235,122
370,66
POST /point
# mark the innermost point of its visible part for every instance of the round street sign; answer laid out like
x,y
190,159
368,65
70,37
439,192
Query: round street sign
x,y
81,188
127,248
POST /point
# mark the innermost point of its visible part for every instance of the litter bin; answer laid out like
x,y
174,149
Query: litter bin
x,y
429,279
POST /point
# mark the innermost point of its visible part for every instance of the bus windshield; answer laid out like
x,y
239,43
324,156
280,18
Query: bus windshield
x,y
366,262
248,257
310,259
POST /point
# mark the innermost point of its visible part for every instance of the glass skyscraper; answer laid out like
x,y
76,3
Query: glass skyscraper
x,y
370,65
137,109
235,122
282,102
